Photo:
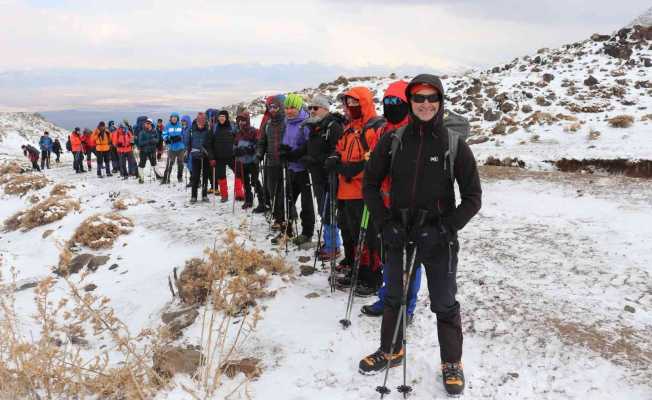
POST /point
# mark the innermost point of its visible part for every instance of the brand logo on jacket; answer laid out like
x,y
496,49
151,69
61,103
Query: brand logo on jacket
x,y
434,159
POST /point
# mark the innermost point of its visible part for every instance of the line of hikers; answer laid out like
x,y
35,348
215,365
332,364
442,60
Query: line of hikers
x,y
397,169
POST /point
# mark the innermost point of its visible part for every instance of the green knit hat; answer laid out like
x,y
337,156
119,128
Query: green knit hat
x,y
293,100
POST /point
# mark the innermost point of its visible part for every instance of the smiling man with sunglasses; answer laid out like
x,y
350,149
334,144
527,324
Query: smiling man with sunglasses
x,y
423,212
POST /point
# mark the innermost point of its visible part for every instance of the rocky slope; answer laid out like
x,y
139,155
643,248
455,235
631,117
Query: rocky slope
x,y
585,101
17,128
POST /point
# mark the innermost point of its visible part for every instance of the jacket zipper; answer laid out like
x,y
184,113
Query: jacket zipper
x,y
416,172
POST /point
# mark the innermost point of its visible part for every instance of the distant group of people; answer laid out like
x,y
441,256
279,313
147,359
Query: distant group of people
x,y
47,147
397,169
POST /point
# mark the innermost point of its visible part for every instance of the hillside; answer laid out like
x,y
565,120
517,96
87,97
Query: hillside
x,y
18,128
588,101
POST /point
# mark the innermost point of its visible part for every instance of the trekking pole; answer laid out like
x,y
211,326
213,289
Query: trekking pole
x,y
331,197
321,228
290,200
286,202
235,178
402,317
214,202
346,322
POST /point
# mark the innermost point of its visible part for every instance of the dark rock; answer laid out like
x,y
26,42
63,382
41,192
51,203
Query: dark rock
x,y
622,51
90,287
47,233
27,285
113,266
499,129
646,62
307,270
548,77
312,295
79,262
526,108
630,309
623,33
169,361
173,311
456,99
507,107
304,259
541,101
182,321
492,116
79,341
591,81
477,140
468,106
96,262
596,37
501,98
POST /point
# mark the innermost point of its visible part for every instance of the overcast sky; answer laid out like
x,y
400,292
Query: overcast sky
x,y
165,34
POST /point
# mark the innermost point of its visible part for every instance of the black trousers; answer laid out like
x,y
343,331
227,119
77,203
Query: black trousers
x,y
58,154
275,189
349,216
200,169
440,262
45,159
127,164
249,175
145,156
103,161
298,184
78,161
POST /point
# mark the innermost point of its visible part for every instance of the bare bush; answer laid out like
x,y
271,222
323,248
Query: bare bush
x,y
621,121
61,189
101,230
23,183
49,210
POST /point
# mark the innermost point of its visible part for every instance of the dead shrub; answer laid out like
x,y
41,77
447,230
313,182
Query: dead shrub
x,y
101,230
61,189
122,203
49,210
11,167
572,128
228,281
23,183
55,363
594,135
621,121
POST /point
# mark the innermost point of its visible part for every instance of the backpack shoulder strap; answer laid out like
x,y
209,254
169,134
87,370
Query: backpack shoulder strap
x,y
373,123
458,128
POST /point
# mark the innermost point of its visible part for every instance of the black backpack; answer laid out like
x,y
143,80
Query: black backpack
x,y
68,144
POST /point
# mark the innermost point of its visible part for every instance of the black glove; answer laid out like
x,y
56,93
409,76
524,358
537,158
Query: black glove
x,y
393,235
331,163
283,151
307,160
350,170
250,151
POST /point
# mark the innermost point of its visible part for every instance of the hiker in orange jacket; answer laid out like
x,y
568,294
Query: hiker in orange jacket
x,y
122,139
351,153
102,139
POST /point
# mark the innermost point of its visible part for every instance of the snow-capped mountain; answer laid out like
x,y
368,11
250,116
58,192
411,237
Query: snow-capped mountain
x,y
18,128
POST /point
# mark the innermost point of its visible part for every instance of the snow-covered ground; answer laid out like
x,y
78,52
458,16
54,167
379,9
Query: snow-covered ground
x,y
546,271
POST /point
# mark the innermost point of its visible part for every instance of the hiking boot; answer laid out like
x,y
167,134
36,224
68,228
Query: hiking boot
x,y
193,200
364,290
343,267
204,199
109,174
372,310
343,282
453,377
281,237
141,181
246,205
261,208
301,239
377,362
327,255
100,176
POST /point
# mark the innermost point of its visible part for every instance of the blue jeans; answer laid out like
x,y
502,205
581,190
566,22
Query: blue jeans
x,y
379,305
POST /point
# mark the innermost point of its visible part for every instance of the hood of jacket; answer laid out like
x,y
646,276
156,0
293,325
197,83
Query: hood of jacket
x,y
366,99
435,82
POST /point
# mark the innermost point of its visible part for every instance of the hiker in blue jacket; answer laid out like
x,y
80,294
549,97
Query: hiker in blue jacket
x,y
45,143
173,137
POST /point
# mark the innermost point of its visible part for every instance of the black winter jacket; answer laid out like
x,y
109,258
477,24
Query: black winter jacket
x,y
420,174
219,143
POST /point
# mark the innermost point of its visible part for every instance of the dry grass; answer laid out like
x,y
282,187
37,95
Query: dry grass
x,y
10,168
621,121
55,365
228,281
594,135
101,230
23,183
49,210
121,203
572,128
61,189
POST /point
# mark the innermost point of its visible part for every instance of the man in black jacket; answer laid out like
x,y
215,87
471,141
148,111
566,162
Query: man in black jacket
x,y
422,185
325,130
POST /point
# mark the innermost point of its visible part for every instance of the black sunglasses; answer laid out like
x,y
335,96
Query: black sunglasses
x,y
431,98
313,108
